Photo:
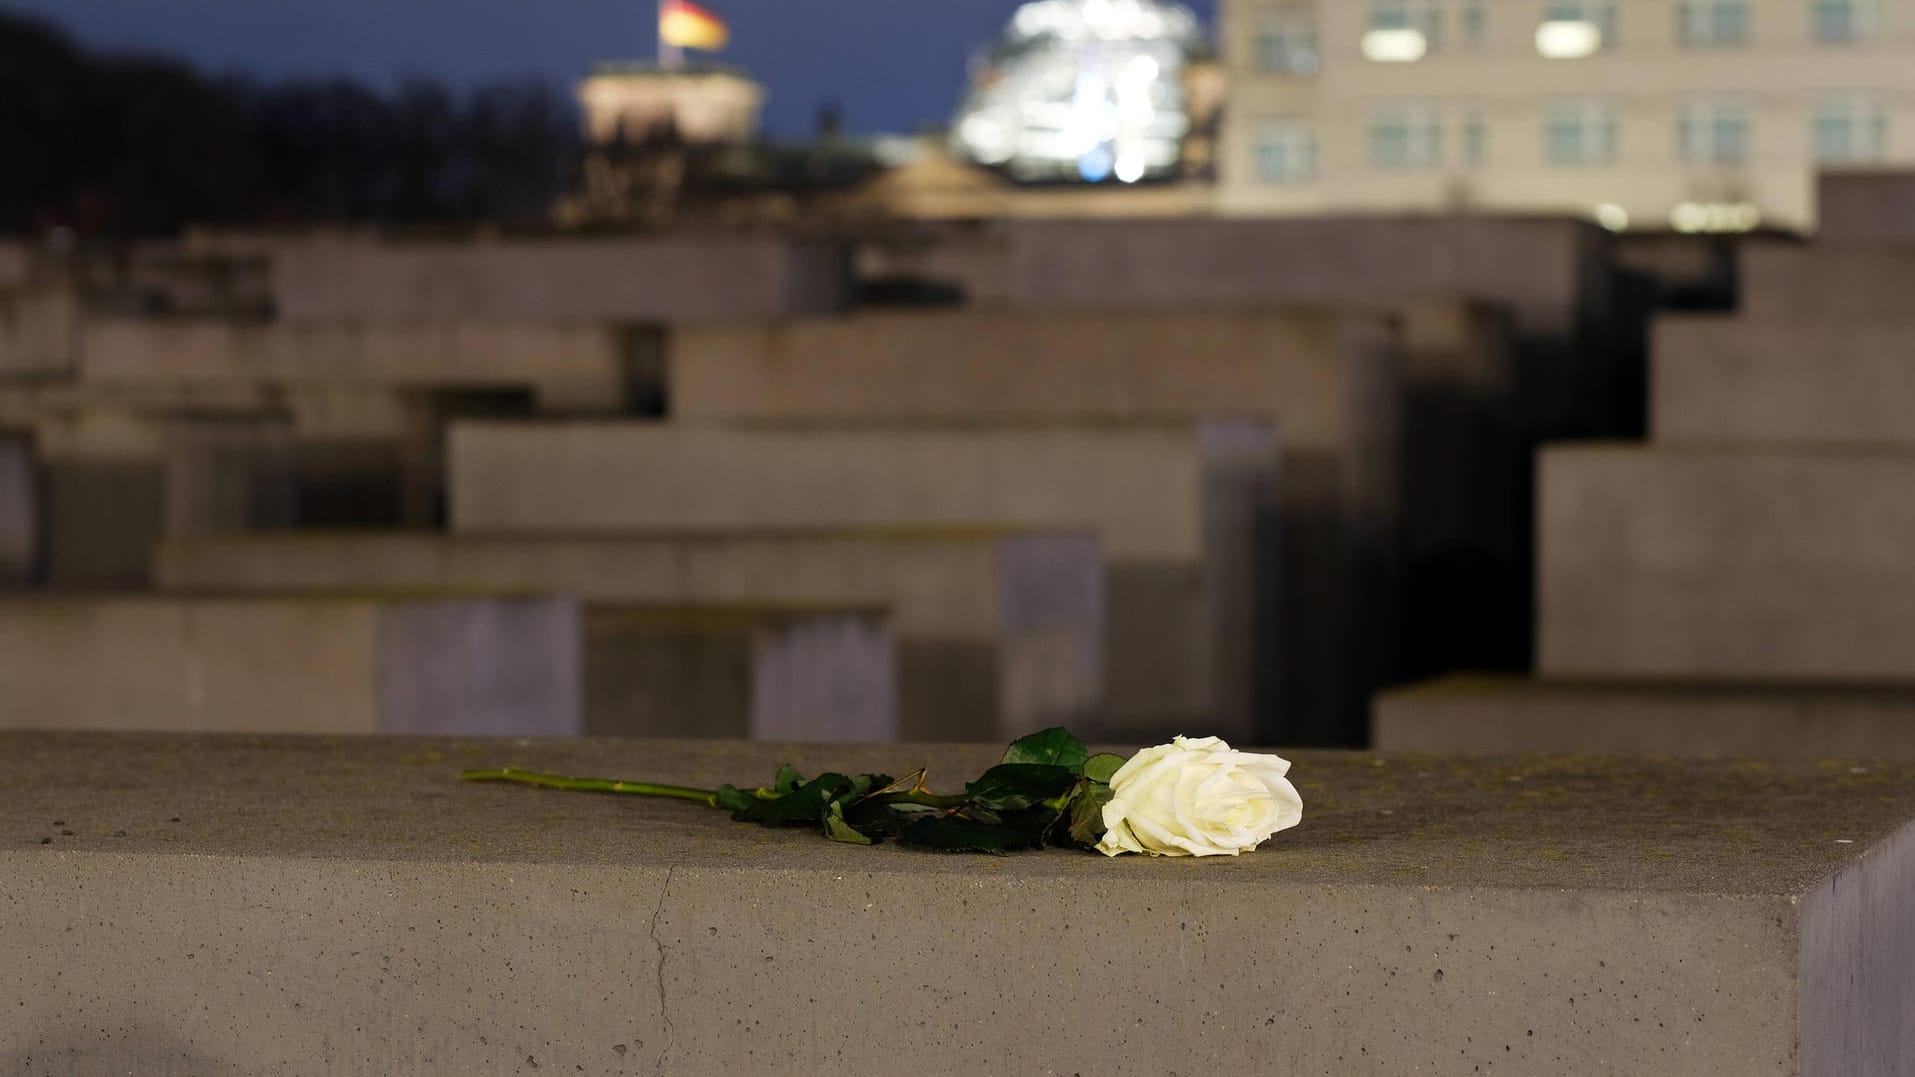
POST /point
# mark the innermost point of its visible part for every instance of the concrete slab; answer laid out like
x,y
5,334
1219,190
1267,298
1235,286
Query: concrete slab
x,y
16,263
1746,719
1865,208
577,365
1779,381
346,907
297,664
19,513
671,278
1181,511
1708,562
1000,632
39,330
1825,283
1552,272
1329,381
814,674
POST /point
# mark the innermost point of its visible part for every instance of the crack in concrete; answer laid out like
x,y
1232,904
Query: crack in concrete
x,y
671,1030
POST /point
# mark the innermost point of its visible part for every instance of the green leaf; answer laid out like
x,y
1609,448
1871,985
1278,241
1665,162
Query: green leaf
x,y
1051,747
1087,812
1037,825
1011,786
1103,766
731,798
803,806
876,820
837,829
788,779
954,834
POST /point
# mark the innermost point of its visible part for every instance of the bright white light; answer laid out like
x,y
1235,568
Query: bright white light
x,y
1130,167
1094,166
1073,87
1395,46
1612,216
1694,217
989,141
1568,40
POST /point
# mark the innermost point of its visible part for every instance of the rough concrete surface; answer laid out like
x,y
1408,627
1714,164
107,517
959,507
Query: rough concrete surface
x,y
1733,562
999,631
369,663
1777,381
1183,512
211,905
1744,719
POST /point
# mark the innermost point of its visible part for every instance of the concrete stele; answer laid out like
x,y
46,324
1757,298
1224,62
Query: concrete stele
x,y
1693,561
292,664
19,513
760,673
1777,381
1000,631
1330,381
345,906
1613,716
668,279
1179,508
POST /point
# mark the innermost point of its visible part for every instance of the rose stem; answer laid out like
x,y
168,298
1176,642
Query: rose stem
x,y
707,797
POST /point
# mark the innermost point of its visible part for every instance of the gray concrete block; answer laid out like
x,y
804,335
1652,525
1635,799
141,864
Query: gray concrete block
x,y
1872,208
1706,562
583,367
1777,381
292,664
761,673
662,278
344,906
39,330
1330,381
1180,510
19,513
16,263
1550,272
1739,719
1817,283
1000,632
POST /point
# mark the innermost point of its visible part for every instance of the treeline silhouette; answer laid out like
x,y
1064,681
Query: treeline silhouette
x,y
123,146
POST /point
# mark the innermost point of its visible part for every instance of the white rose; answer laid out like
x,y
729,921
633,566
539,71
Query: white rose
x,y
1197,798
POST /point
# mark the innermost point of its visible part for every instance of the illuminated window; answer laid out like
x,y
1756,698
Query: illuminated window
x,y
1713,131
1838,22
1286,152
1574,28
1475,137
1421,16
1714,23
1405,135
1850,130
1580,132
1286,42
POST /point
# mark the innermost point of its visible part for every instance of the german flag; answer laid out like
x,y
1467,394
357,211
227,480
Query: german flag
x,y
685,25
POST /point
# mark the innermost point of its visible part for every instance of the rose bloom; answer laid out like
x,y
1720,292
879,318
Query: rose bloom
x,y
1198,798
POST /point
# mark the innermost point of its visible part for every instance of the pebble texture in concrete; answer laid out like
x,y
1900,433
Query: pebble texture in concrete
x,y
328,906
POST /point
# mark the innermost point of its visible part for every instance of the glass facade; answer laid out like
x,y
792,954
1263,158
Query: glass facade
x,y
1082,90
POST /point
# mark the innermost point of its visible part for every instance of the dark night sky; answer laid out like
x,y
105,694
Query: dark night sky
x,y
891,64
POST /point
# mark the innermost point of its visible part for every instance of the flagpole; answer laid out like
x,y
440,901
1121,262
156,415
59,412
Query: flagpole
x,y
670,57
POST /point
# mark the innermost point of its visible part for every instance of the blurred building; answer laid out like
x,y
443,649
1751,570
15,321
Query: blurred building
x,y
1701,115
1084,90
704,103
663,143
